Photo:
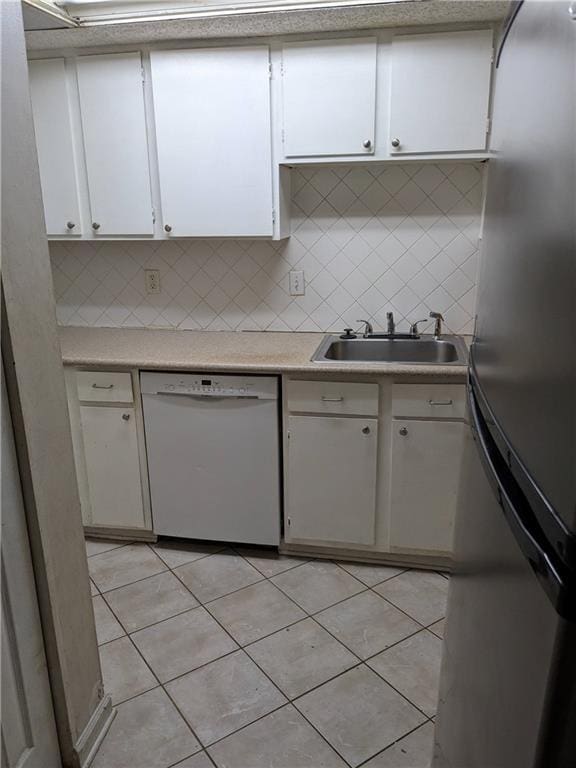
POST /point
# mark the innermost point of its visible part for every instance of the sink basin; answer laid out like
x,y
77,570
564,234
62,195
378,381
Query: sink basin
x,y
424,350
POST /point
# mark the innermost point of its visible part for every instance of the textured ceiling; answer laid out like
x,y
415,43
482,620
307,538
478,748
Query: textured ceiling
x,y
282,22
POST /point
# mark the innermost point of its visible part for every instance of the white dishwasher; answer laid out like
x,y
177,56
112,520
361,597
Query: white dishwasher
x,y
213,456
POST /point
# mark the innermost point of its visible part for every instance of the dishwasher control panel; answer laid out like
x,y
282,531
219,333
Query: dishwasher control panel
x,y
208,385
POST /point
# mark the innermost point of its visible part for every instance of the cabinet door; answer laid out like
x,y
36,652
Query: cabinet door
x,y
53,128
113,466
426,458
331,479
212,113
115,143
329,97
440,92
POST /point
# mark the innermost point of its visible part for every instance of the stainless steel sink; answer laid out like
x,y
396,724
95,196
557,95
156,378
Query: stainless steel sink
x,y
423,350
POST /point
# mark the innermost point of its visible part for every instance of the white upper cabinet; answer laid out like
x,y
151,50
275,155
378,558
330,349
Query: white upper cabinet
x,y
115,143
329,97
212,115
52,124
440,90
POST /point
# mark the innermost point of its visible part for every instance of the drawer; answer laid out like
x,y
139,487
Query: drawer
x,y
104,387
429,401
333,397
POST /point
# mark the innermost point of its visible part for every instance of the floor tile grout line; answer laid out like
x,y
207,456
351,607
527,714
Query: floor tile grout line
x,y
247,725
427,717
277,709
207,602
424,626
289,699
139,581
155,624
312,615
195,560
361,662
194,754
160,684
120,546
136,581
200,666
290,568
177,708
394,743
357,562
420,710
131,698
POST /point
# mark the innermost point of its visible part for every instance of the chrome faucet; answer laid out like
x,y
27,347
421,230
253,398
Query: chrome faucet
x,y
438,324
391,325
368,329
414,327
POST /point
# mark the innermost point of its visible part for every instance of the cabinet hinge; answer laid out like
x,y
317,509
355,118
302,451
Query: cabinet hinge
x,y
273,216
283,136
289,521
153,216
142,74
488,125
270,70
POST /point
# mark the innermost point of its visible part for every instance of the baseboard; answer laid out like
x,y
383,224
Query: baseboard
x,y
95,731
424,562
121,534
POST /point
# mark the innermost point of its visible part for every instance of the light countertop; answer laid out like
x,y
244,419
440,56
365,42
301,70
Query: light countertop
x,y
247,352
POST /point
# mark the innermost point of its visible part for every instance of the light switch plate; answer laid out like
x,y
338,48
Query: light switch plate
x,y
296,282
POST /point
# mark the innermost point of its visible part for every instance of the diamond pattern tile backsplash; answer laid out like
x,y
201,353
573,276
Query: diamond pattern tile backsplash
x,y
370,238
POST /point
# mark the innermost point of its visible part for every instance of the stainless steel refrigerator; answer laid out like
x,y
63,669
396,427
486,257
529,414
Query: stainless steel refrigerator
x,y
508,685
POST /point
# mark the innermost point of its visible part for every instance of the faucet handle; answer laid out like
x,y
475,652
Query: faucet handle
x,y
438,324
414,326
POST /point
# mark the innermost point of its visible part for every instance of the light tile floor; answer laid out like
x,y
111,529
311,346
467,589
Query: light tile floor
x,y
239,658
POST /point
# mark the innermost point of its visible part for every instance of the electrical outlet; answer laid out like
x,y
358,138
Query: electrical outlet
x,y
152,280
296,282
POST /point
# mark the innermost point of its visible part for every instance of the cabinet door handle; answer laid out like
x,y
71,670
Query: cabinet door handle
x,y
440,402
332,399
126,416
365,430
102,386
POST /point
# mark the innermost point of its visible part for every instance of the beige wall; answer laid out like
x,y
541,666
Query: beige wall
x,y
37,398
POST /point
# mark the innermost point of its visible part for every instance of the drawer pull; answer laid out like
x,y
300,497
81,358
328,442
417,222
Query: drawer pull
x,y
332,399
440,402
102,386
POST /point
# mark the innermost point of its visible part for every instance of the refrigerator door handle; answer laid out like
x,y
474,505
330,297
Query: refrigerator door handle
x,y
549,570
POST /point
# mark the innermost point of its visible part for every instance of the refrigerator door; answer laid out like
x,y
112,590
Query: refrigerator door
x,y
525,342
508,683
498,643
499,640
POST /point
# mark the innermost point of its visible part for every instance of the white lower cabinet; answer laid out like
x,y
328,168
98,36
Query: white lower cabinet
x,y
112,465
425,473
109,451
331,479
373,467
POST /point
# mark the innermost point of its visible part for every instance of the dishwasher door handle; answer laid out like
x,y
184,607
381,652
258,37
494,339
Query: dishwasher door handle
x,y
193,396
